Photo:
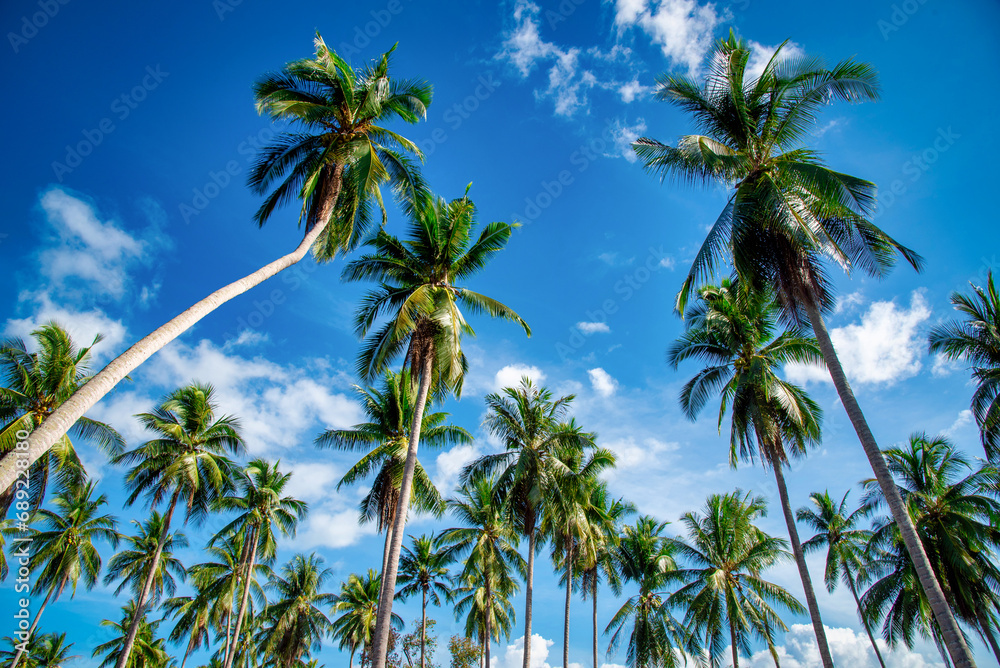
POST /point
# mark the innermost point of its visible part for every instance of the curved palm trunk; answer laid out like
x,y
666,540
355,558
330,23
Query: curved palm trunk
x,y
245,598
34,624
147,585
593,594
957,648
864,620
800,561
732,637
529,587
423,628
350,662
187,653
66,415
381,640
569,591
489,626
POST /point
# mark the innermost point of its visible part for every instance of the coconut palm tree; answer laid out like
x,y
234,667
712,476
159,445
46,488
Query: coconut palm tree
x,y
294,624
418,291
487,544
49,650
836,527
335,163
736,333
186,462
63,551
358,605
8,527
262,512
193,625
787,212
131,566
976,339
529,423
148,651
645,556
385,439
726,555
424,570
954,508
34,384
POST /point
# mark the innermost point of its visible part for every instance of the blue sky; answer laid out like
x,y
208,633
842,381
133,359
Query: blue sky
x,y
130,132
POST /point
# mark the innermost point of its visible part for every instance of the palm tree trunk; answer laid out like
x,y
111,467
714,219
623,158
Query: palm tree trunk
x,y
984,625
423,626
381,640
187,653
593,595
34,624
385,548
569,592
732,636
529,588
147,585
66,415
350,662
800,561
229,628
246,595
489,628
957,648
864,620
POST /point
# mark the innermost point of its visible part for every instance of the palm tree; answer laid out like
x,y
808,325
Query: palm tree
x,y
34,385
63,549
49,650
186,462
294,625
954,509
489,614
488,544
358,603
424,569
8,527
132,565
193,623
788,212
336,166
529,424
646,557
148,651
726,555
419,294
262,509
976,339
385,439
836,528
735,332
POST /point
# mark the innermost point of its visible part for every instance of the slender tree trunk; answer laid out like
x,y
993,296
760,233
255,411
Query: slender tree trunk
x,y
529,587
66,415
187,653
385,548
229,628
489,626
381,640
423,627
864,620
800,561
957,648
247,575
984,625
34,624
350,662
593,594
140,603
569,592
732,636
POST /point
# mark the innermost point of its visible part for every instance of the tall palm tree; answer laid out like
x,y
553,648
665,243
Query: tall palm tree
x,y
846,544
487,543
49,650
193,625
726,554
148,650
335,164
34,384
424,570
185,463
385,440
954,508
418,291
787,212
529,423
294,624
736,333
131,566
63,551
976,339
489,613
262,510
358,605
645,556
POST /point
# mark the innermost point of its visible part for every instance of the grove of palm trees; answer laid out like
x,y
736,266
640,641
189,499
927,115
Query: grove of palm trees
x,y
556,334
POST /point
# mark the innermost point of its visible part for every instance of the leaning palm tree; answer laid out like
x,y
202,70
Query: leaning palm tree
x,y
385,439
787,213
186,463
357,604
263,512
418,291
148,651
34,385
63,551
335,164
130,567
424,570
846,544
726,555
976,339
528,421
735,332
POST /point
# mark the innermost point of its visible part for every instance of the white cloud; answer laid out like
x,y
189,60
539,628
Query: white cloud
x,y
602,382
848,648
849,302
761,54
511,375
82,326
668,262
632,90
593,327
884,348
682,28
964,418
623,136
335,529
513,655
945,367
449,465
631,454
